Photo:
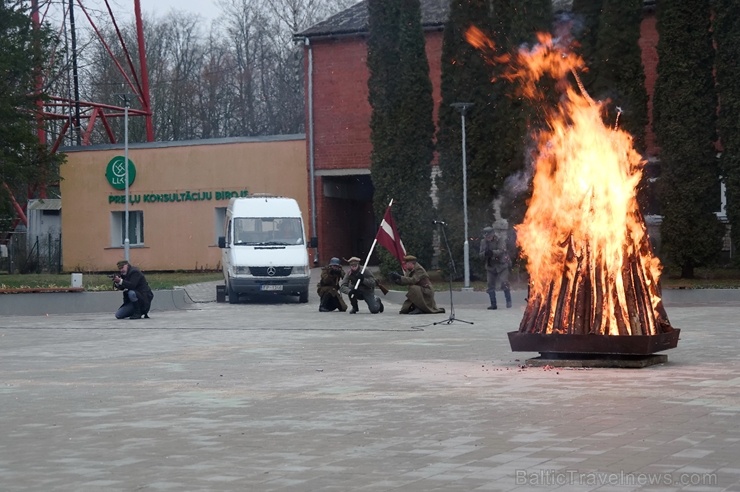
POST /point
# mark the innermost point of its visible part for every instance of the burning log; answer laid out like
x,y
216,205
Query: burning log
x,y
583,299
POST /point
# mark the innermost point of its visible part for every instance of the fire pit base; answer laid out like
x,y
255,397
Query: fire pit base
x,y
596,360
593,344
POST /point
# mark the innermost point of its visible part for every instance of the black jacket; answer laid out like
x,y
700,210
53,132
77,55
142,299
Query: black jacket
x,y
135,280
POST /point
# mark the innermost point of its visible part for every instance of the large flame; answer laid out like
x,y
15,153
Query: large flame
x,y
589,259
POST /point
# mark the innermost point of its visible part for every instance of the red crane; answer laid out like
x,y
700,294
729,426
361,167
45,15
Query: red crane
x,y
87,114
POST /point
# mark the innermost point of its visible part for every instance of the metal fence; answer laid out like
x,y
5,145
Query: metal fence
x,y
37,254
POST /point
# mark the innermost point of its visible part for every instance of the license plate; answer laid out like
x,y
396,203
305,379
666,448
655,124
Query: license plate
x,y
272,287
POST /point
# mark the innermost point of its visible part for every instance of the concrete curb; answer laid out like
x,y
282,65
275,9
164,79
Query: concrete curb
x,y
39,304
671,297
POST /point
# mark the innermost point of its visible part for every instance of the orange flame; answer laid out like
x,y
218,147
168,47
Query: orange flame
x,y
583,236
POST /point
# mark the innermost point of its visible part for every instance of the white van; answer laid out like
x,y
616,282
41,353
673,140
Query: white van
x,y
263,250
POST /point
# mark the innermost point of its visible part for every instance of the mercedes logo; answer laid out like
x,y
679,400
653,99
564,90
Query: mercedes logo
x,y
271,271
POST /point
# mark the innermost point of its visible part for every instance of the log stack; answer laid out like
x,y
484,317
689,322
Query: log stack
x,y
587,300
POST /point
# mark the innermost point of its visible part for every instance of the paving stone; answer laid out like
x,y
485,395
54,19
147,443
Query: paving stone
x,y
280,397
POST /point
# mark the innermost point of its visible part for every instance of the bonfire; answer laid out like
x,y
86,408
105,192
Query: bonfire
x,y
591,265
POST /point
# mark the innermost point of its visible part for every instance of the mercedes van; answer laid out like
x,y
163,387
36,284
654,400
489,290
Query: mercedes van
x,y
263,250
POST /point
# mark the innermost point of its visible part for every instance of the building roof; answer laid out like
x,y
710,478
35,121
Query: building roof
x,y
354,20
434,13
183,143
45,204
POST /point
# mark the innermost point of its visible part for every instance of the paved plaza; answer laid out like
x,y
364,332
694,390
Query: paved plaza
x,y
279,397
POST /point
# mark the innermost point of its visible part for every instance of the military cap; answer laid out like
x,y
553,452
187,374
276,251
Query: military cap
x,y
335,261
409,258
501,225
488,230
121,263
354,259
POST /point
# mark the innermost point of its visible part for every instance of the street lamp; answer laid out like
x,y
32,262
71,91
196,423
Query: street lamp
x,y
126,241
462,107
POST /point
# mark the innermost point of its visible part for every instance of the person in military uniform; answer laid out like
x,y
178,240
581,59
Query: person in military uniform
x,y
137,296
328,287
494,253
420,296
364,291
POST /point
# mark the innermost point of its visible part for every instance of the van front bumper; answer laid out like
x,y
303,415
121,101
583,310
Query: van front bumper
x,y
289,286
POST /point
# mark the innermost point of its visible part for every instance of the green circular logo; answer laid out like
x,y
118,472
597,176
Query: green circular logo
x,y
115,173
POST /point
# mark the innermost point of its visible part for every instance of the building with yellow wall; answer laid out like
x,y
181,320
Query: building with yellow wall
x,y
178,193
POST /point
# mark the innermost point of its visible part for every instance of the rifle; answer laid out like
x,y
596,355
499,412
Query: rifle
x,y
380,286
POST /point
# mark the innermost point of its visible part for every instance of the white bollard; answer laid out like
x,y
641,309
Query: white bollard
x,y
76,280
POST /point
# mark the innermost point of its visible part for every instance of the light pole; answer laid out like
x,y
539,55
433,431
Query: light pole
x,y
462,107
126,241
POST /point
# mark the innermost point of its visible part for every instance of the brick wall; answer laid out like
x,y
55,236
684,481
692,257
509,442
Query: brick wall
x,y
341,108
342,114
342,125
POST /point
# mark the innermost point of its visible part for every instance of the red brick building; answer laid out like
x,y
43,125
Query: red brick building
x,y
338,120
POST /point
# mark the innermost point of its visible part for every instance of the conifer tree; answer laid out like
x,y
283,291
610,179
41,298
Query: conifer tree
x,y
617,73
586,27
466,78
727,38
401,125
685,116
498,123
24,162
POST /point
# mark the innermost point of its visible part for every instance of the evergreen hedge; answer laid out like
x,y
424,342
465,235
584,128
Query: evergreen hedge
x,y
498,125
727,37
685,113
401,125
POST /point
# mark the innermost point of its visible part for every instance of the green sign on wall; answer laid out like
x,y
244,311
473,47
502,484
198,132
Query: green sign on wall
x,y
115,173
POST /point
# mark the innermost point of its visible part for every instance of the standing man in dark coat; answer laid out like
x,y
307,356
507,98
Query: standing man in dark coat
x,y
420,297
494,252
137,296
365,290
328,288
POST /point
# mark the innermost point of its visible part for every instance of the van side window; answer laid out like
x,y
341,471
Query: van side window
x,y
219,222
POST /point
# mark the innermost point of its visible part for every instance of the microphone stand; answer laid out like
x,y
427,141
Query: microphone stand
x,y
452,317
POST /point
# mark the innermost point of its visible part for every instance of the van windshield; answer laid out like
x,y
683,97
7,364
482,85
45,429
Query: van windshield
x,y
253,231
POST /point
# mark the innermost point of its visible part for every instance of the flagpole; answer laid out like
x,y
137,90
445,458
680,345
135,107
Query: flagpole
x,y
372,248
375,241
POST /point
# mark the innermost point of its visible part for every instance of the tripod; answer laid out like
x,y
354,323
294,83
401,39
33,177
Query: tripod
x,y
452,272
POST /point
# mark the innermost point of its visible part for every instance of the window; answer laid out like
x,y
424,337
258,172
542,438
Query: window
x,y
220,222
268,230
135,228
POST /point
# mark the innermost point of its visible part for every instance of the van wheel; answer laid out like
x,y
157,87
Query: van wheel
x,y
303,297
233,295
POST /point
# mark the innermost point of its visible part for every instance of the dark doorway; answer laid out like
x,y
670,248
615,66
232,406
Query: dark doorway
x,y
347,218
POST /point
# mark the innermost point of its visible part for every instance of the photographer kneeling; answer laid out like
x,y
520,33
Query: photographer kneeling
x,y
137,296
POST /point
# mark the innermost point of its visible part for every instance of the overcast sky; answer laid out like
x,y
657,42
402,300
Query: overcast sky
x,y
124,9
205,8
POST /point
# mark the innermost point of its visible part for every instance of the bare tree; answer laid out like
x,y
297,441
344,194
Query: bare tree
x,y
243,77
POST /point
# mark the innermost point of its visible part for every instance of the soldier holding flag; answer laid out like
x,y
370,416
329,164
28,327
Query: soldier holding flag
x,y
420,296
360,285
